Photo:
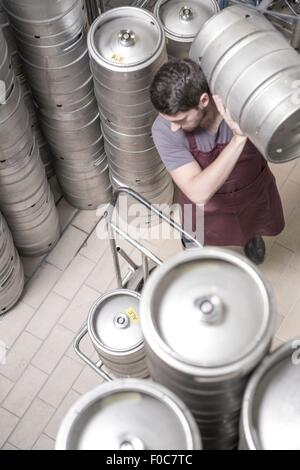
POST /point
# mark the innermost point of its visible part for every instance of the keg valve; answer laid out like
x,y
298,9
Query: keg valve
x,y
121,321
186,14
127,442
127,37
211,308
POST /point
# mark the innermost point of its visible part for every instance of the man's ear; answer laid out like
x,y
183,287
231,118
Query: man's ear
x,y
204,100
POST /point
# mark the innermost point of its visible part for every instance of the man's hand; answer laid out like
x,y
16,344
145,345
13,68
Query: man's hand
x,y
236,130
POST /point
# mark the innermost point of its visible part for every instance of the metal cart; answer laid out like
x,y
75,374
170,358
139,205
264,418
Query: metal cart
x,y
137,275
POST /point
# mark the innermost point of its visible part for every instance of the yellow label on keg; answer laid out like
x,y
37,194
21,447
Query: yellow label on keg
x,y
118,58
133,315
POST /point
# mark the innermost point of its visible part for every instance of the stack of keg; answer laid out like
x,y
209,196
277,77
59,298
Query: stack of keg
x,y
127,48
52,43
25,196
208,320
182,22
17,66
11,270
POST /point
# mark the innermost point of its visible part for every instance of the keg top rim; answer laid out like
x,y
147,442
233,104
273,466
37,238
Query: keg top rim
x,y
128,411
180,26
199,320
271,407
109,47
114,322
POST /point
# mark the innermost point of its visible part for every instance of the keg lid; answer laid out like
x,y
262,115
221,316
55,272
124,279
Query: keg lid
x,y
184,19
114,321
128,415
271,413
207,308
125,37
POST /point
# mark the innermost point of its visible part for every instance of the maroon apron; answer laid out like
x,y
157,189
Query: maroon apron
x,y
247,204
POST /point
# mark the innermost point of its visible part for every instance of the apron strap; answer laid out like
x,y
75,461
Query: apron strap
x,y
192,142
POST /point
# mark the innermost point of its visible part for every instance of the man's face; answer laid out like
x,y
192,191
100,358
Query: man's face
x,y
189,120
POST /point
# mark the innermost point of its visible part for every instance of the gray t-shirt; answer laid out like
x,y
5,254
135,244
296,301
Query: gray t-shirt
x,y
173,147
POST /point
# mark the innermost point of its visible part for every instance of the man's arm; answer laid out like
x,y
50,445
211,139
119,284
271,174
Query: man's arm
x,y
200,185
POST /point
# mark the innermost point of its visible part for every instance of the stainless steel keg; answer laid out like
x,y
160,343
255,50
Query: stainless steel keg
x,y
127,48
128,415
11,270
257,74
115,330
124,60
36,229
25,196
16,137
6,71
45,20
207,319
43,146
182,21
11,43
271,408
53,47
59,79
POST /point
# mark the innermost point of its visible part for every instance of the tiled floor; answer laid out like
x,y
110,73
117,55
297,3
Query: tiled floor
x,y
43,376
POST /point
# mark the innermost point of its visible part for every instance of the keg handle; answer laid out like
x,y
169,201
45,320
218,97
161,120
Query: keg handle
x,y
126,37
186,14
96,367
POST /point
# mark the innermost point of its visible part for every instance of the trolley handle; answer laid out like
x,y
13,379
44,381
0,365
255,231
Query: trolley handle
x,y
151,208
98,366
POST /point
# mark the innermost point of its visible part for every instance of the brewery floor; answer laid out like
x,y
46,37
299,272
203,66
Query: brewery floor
x,y
42,376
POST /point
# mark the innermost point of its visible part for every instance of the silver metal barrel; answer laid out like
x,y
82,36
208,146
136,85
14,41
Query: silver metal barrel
x,y
182,21
207,320
271,413
45,19
25,197
53,49
10,39
11,270
6,71
43,146
17,68
128,415
256,72
16,137
127,48
115,330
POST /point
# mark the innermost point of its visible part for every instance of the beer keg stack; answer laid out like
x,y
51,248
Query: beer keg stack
x,y
127,47
208,319
51,38
17,67
25,196
182,21
11,270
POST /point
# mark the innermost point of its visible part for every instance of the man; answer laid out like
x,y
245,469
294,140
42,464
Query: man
x,y
212,162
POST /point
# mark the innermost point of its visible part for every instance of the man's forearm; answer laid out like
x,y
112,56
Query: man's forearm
x,y
207,183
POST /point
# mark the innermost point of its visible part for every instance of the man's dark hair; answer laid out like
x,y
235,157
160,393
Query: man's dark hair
x,y
177,86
